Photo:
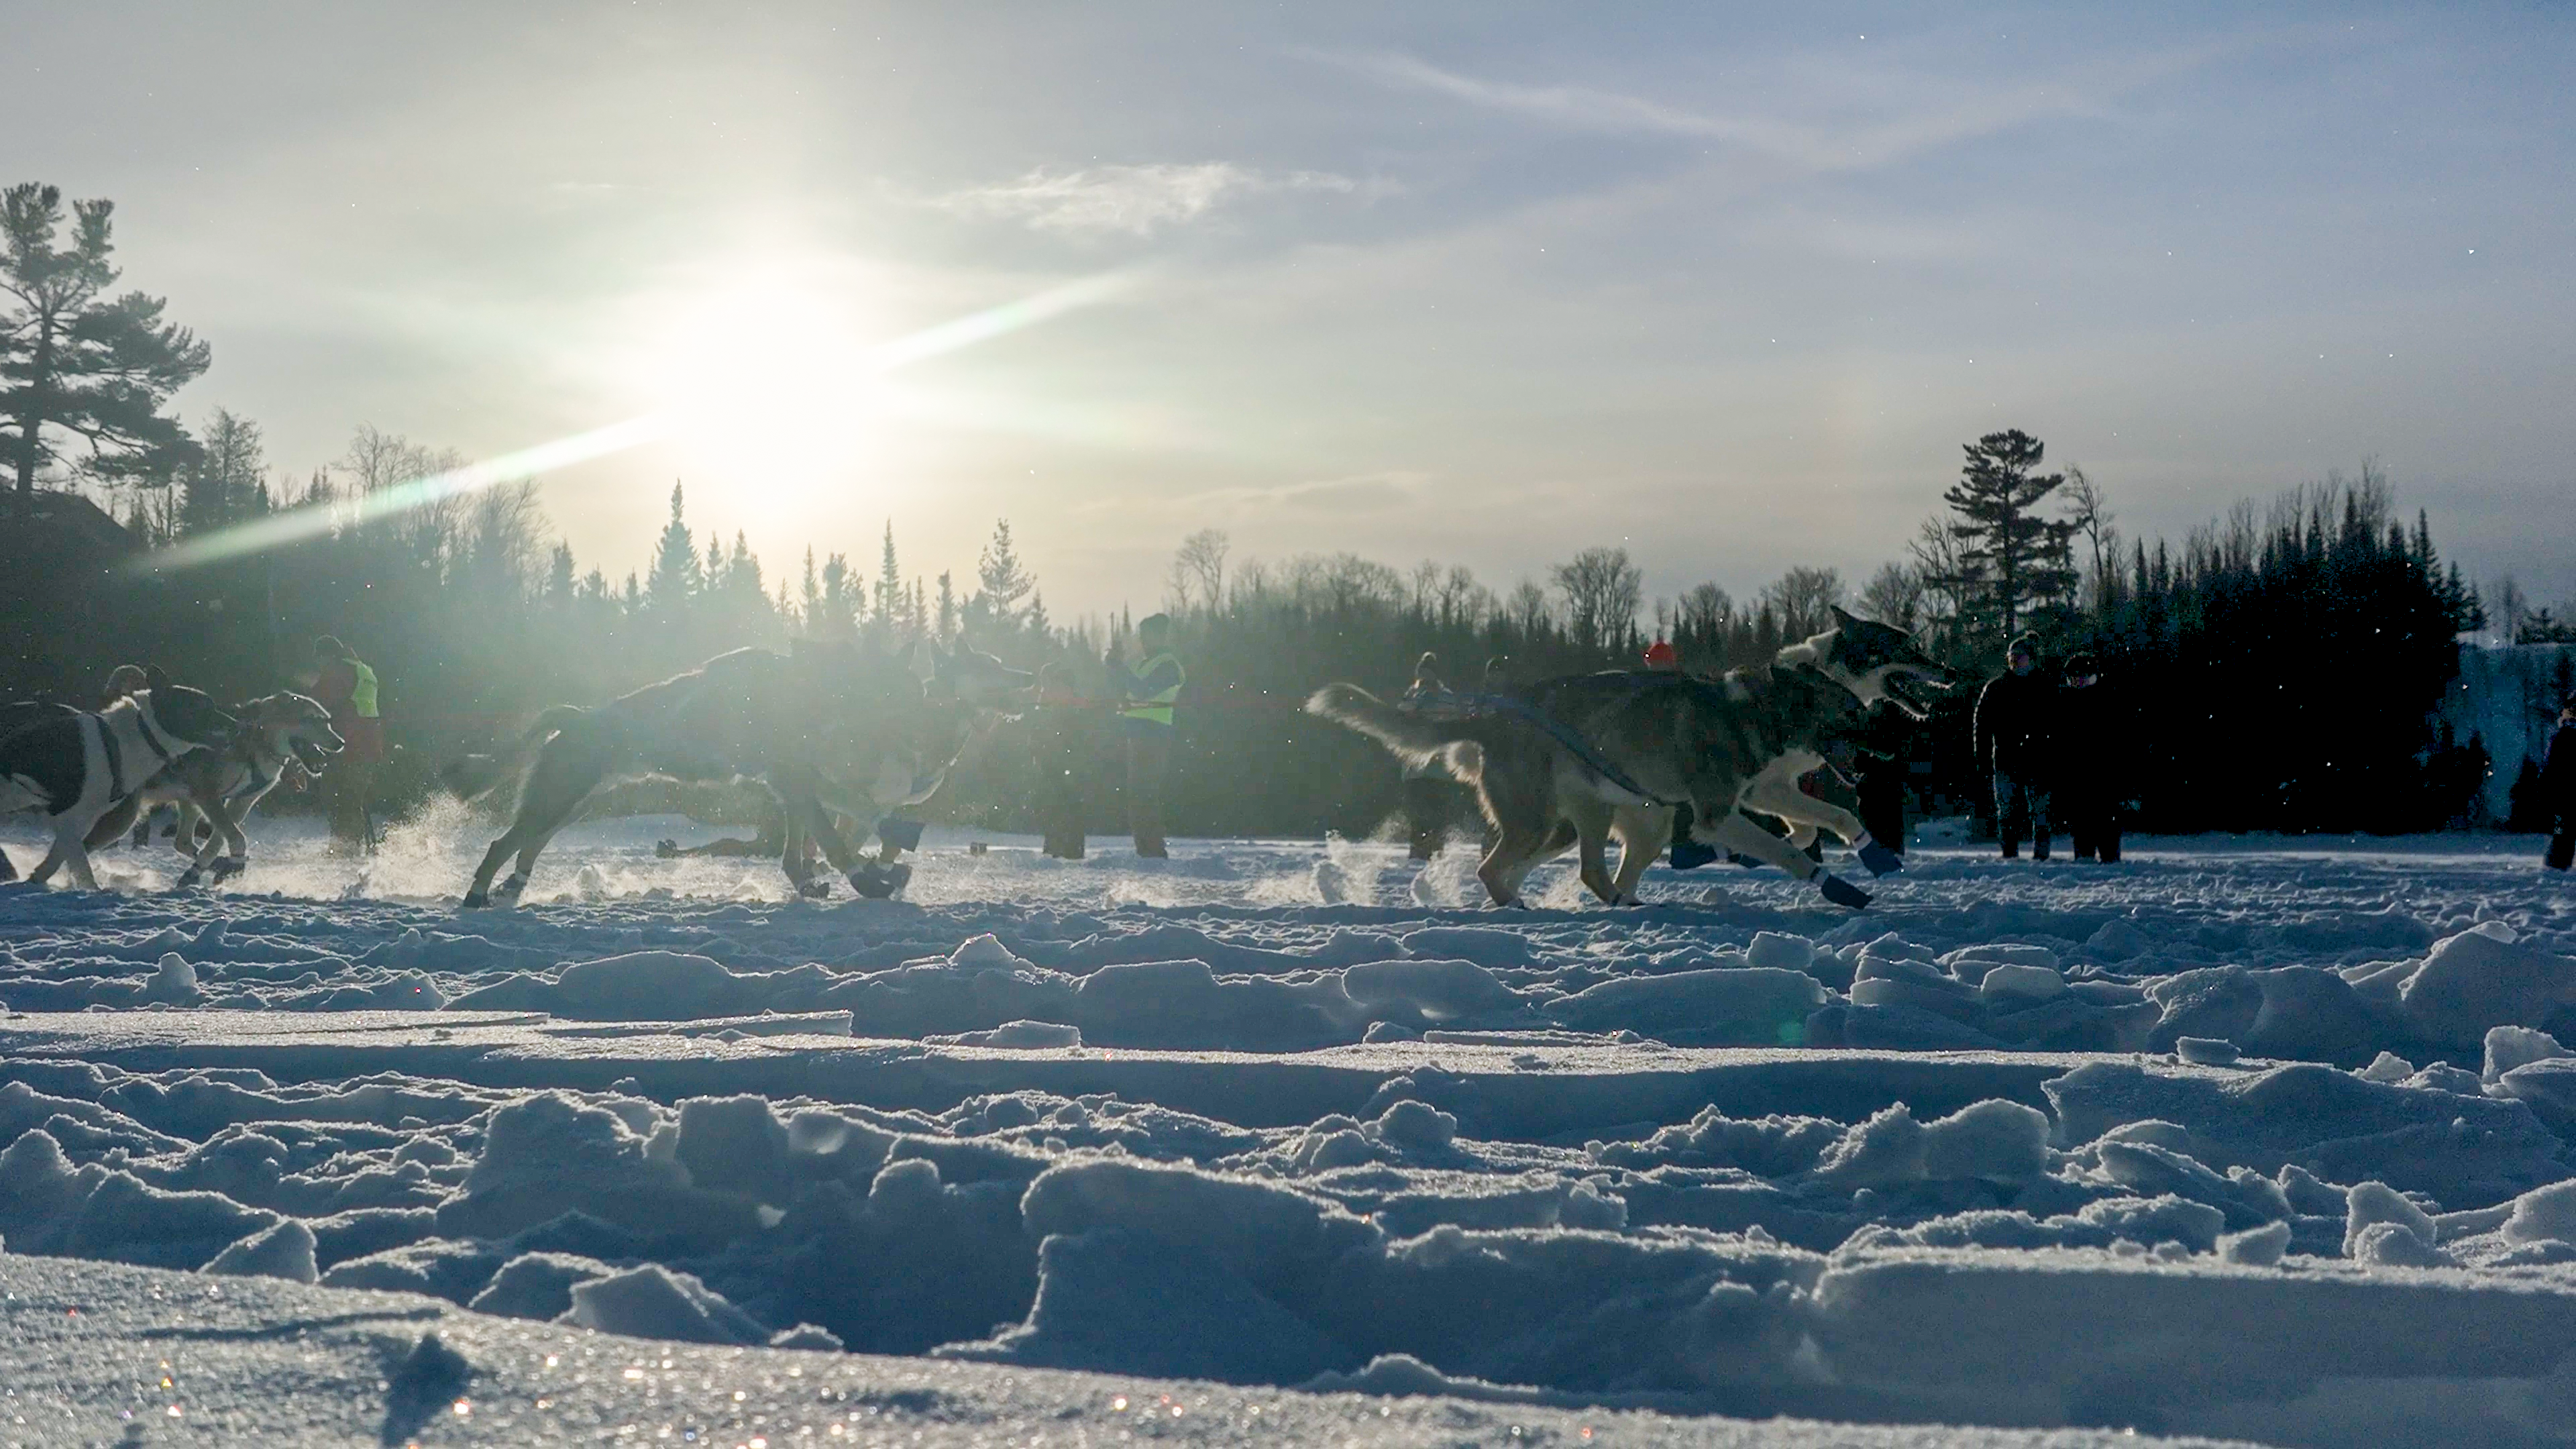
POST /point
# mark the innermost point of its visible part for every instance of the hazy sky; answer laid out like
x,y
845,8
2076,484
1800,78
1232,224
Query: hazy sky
x,y
1480,282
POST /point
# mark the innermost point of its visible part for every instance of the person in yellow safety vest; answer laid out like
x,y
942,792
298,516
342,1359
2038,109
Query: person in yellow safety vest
x,y
1147,686
347,687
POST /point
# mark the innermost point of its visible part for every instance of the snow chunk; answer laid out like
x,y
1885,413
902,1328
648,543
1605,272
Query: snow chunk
x,y
2474,980
1414,1127
2256,1247
1431,990
2508,1047
2387,1067
2205,1051
1725,1006
1264,1232
2012,981
538,1285
1773,950
1020,1035
654,1302
2543,1214
985,952
284,1251
1995,1140
1124,1302
652,986
175,981
2369,1204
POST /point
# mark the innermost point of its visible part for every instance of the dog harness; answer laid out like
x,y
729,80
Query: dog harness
x,y
1442,701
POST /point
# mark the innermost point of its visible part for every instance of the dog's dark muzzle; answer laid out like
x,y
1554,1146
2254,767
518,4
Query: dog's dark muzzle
x,y
314,754
1917,690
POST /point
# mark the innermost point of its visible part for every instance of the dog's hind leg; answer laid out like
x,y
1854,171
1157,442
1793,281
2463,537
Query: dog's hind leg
x,y
564,777
68,855
1643,832
1592,824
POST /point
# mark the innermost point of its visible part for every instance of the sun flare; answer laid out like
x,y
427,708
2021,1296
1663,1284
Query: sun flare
x,y
767,381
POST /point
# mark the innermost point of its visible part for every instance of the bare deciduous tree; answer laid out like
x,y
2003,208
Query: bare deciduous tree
x,y
1198,569
1803,597
1602,589
1894,595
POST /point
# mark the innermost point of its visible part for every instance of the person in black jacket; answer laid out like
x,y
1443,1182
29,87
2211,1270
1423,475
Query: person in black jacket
x,y
2093,754
2558,788
2013,744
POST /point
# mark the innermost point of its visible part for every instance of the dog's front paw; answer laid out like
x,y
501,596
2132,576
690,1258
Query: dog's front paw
x,y
814,888
228,866
1879,859
1843,893
877,882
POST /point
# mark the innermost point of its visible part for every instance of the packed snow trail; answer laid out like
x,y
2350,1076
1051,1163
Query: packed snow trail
x,y
2152,1146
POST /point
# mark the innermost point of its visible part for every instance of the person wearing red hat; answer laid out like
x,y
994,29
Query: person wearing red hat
x,y
1688,854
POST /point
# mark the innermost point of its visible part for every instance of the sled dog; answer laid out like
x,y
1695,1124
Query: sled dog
x,y
801,723
76,767
221,786
1585,757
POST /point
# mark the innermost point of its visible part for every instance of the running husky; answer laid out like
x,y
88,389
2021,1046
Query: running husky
x,y
221,786
803,724
1585,757
76,767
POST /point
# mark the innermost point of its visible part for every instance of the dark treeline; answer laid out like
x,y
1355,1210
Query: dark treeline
x,y
2280,665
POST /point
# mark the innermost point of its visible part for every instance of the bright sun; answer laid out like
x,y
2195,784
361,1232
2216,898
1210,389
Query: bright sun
x,y
766,379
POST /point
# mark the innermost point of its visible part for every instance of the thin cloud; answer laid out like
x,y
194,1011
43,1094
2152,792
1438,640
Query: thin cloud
x,y
1810,147
1134,200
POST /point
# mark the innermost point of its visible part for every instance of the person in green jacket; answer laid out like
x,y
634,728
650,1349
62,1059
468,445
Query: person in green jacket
x,y
1147,687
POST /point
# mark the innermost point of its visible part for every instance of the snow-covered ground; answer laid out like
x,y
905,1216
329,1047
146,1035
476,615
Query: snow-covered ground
x,y
2250,1138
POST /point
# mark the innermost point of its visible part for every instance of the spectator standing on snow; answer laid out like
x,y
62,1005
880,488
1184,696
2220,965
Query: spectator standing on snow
x,y
1881,755
1147,688
2013,734
2094,751
1067,749
345,686
2558,788
1688,854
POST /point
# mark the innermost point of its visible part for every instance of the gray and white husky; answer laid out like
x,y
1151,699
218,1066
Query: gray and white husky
x,y
75,767
222,786
1579,759
802,723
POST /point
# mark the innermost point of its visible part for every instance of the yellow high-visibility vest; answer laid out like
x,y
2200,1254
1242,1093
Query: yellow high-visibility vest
x,y
362,694
1157,706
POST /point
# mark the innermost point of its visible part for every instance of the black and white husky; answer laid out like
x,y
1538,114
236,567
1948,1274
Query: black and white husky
x,y
75,768
221,786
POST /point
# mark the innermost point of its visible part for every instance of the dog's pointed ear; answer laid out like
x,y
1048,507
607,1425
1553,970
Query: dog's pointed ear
x,y
154,680
1842,616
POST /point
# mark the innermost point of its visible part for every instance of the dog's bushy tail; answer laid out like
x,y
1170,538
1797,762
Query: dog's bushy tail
x,y
471,777
1412,737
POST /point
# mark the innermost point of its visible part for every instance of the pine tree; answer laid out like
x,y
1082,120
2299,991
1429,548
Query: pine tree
x,y
673,583
947,611
887,617
559,577
74,362
811,613
1002,581
2011,560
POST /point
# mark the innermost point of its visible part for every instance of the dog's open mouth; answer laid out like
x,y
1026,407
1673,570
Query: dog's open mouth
x,y
1913,690
311,754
